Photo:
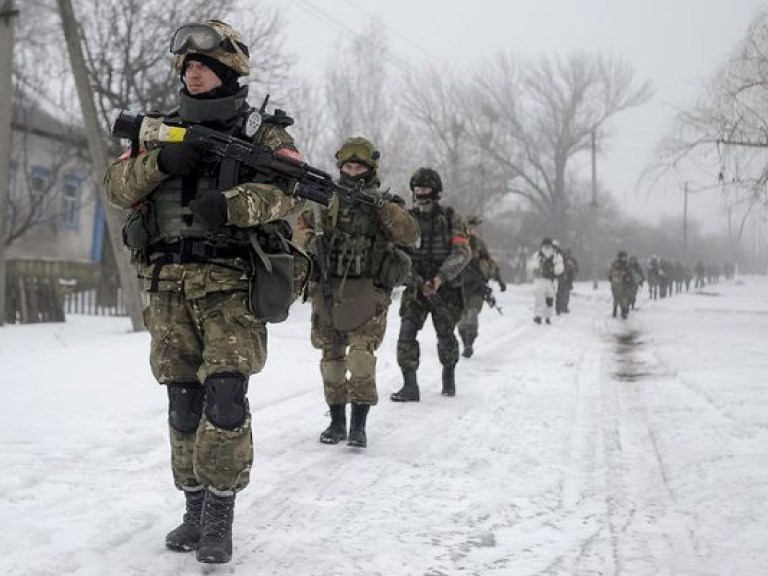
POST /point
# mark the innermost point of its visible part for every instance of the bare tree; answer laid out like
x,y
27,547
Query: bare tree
x,y
545,113
724,136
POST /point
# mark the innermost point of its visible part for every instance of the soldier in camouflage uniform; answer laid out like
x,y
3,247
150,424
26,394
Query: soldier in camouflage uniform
x,y
360,235
481,269
435,286
191,244
623,284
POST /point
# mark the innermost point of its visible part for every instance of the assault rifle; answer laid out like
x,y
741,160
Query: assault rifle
x,y
298,177
323,263
491,299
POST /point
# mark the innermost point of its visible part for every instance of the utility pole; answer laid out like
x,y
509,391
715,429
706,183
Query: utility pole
x,y
593,213
97,150
685,219
8,15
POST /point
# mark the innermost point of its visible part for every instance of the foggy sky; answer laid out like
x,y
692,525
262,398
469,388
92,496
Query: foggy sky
x,y
676,44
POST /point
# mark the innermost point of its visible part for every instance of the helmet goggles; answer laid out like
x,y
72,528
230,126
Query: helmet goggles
x,y
203,38
359,153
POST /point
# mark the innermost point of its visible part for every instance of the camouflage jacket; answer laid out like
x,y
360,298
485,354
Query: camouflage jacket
x,y
358,234
481,268
130,180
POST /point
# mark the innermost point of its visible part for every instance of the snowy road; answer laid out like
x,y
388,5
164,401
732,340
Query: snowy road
x,y
592,446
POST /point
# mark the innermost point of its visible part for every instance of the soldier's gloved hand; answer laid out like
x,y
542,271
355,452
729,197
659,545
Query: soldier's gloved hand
x,y
210,209
180,159
502,285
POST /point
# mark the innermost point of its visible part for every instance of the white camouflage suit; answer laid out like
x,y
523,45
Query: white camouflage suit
x,y
545,265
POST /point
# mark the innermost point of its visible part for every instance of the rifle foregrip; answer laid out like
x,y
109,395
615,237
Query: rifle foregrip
x,y
313,193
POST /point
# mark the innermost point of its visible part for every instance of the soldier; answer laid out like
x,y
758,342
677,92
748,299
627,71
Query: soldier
x,y
640,279
565,280
191,244
360,234
481,269
435,285
545,265
623,284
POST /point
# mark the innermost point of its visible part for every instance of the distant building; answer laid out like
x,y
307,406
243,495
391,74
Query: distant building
x,y
54,212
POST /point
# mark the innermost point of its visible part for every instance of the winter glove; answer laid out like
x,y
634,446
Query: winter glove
x,y
180,159
210,209
502,285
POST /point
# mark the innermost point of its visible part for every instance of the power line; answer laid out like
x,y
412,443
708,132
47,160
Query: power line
x,y
343,28
395,32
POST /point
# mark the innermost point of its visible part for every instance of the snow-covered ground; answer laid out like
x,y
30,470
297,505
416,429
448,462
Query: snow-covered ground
x,y
592,446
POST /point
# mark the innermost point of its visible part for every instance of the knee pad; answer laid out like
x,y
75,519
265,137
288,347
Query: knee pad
x,y
408,330
549,302
225,403
185,406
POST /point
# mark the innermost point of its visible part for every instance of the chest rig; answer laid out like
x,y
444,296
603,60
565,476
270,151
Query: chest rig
x,y
435,242
357,245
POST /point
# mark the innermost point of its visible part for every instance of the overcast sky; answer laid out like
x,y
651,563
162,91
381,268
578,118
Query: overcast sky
x,y
676,44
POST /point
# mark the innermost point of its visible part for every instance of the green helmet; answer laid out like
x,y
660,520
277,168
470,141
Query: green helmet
x,y
215,39
358,150
427,178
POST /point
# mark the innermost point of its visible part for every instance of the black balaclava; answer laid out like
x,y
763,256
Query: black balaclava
x,y
229,84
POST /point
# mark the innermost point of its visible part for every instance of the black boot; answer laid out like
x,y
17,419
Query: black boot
x,y
410,390
337,431
186,535
357,425
216,539
449,380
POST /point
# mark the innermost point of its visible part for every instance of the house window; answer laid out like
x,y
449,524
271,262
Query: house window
x,y
70,201
39,179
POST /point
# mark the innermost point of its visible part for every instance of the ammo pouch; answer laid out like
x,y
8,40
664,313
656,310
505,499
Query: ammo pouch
x,y
280,272
395,268
140,225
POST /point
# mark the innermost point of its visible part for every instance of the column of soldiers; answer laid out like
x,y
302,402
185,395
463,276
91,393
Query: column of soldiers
x,y
212,242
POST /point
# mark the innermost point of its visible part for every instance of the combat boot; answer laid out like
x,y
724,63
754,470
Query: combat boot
x,y
216,538
410,390
449,380
337,431
186,535
357,425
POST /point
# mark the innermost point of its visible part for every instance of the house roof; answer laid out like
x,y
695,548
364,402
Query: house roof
x,y
30,117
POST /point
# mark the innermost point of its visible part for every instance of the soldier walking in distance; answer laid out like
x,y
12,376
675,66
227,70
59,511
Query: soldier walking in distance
x,y
192,245
545,265
623,284
435,286
565,281
355,243
481,269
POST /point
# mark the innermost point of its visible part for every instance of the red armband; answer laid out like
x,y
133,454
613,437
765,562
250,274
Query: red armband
x,y
459,240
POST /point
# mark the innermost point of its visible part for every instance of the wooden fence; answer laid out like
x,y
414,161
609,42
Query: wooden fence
x,y
44,291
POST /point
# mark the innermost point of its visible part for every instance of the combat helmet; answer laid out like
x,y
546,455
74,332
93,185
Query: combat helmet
x,y
360,150
427,178
215,39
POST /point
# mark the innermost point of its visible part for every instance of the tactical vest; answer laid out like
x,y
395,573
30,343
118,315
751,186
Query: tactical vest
x,y
174,220
547,267
357,244
435,243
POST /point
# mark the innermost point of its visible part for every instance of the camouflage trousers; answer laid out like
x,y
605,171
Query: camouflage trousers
x,y
469,323
414,310
348,362
192,339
